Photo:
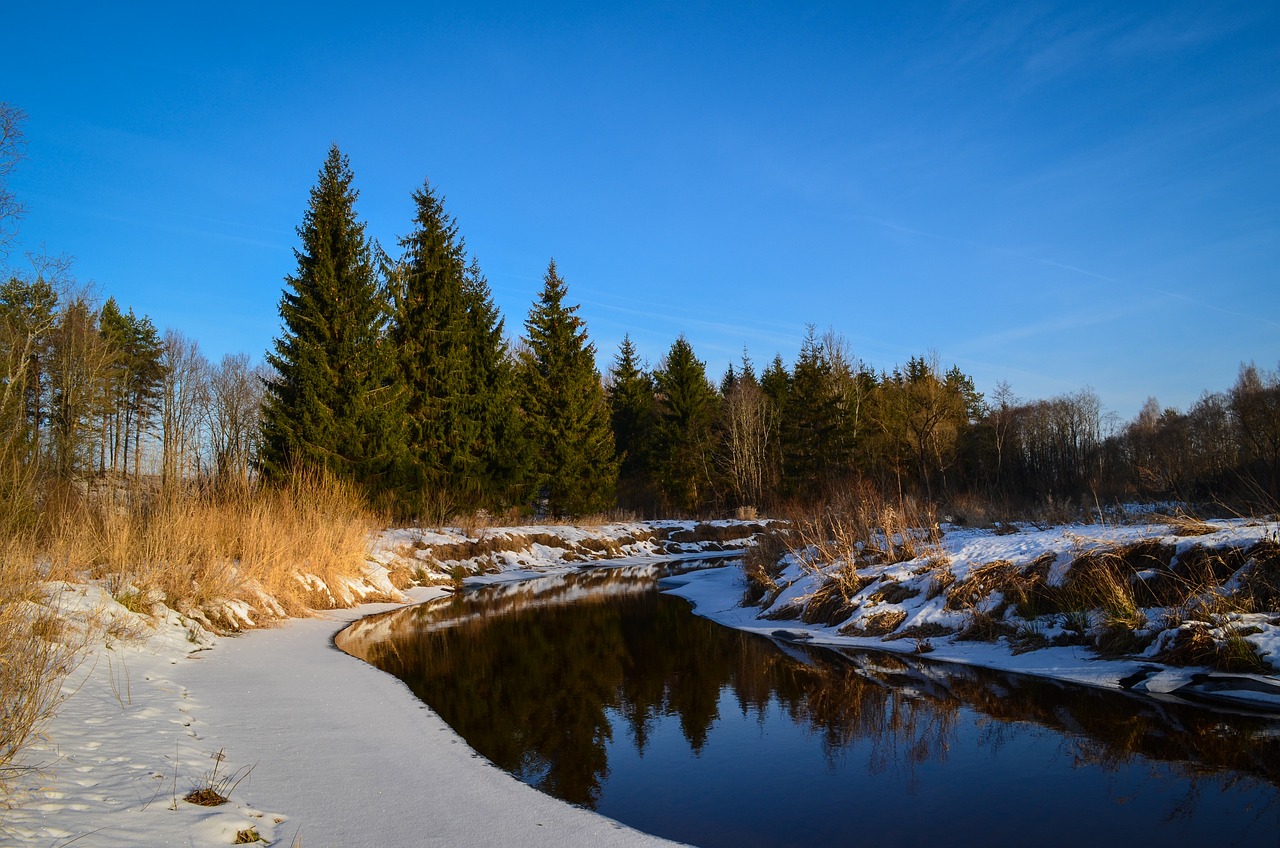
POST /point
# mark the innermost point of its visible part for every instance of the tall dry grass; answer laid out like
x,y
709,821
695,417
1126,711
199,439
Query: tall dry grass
x,y
273,552
852,529
860,526
282,551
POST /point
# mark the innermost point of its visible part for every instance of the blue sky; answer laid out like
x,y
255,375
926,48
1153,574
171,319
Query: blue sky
x,y
1059,195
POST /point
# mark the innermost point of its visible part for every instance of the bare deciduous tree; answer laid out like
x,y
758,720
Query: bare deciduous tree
x,y
13,149
183,392
749,430
233,413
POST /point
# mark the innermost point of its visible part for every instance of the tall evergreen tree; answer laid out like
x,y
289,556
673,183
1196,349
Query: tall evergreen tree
x,y
687,410
574,462
633,415
809,427
491,396
333,401
453,363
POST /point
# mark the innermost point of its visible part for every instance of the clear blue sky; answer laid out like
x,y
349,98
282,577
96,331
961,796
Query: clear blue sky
x,y
1058,195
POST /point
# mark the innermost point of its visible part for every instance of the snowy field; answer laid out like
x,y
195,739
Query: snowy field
x,y
315,748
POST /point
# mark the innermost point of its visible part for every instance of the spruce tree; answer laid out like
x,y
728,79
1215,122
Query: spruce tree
x,y
499,443
810,424
686,414
632,415
574,465
775,384
452,362
332,403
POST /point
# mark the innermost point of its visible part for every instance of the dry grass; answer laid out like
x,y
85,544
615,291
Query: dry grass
x,y
1184,524
762,566
881,623
279,552
36,652
859,526
282,551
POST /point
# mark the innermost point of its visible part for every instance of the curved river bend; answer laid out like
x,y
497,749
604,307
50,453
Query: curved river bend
x,y
597,689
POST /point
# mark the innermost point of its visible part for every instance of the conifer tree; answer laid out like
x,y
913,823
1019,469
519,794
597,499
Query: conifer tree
x,y
491,396
809,427
687,410
632,415
332,402
451,359
574,464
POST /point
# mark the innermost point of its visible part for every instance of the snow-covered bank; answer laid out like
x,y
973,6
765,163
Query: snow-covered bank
x,y
913,595
327,751
312,746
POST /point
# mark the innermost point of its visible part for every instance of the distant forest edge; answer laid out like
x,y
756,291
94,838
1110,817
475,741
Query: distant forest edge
x,y
396,374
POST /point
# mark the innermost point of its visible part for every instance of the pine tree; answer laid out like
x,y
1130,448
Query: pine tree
x,y
333,401
632,415
687,410
809,427
433,333
491,397
574,464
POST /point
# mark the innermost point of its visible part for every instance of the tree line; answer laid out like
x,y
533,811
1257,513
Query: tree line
x,y
396,372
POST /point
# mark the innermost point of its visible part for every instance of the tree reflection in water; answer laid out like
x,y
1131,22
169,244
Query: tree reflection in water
x,y
539,676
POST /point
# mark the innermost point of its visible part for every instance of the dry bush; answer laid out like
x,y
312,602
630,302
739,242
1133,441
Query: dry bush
x,y
831,604
1099,579
36,652
1261,584
762,566
1194,643
893,592
985,627
1012,581
940,579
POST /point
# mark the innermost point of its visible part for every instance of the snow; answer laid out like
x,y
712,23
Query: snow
x,y
320,749
717,595
330,752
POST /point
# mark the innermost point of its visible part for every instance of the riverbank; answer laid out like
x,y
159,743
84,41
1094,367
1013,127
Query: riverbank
x,y
971,597
319,750
310,746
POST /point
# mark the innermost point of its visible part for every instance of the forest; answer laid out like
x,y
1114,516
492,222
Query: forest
x,y
398,375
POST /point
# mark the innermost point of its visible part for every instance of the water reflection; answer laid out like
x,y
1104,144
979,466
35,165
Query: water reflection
x,y
580,686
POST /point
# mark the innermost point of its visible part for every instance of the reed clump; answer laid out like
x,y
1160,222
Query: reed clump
x,y
280,550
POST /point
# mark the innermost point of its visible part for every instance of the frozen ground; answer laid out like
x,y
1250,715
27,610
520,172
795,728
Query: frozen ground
x,y
327,751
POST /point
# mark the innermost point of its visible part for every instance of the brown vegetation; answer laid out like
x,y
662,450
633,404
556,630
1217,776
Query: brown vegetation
x,y
228,558
1116,599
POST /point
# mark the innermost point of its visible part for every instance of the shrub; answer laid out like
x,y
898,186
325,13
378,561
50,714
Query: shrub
x,y
36,652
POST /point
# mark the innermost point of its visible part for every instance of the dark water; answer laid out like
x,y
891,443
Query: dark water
x,y
600,691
